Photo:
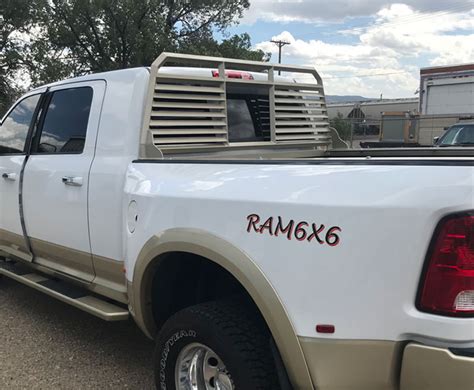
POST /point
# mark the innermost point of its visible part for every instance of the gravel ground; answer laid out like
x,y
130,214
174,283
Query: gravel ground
x,y
45,344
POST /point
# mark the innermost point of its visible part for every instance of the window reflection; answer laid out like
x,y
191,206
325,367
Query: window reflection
x,y
65,123
248,118
14,129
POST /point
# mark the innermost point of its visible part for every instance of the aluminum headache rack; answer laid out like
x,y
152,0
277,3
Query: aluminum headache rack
x,y
186,111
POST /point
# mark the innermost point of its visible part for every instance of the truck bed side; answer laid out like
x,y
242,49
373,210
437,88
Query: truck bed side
x,y
382,216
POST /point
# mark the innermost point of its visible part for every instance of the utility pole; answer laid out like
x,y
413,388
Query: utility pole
x,y
280,44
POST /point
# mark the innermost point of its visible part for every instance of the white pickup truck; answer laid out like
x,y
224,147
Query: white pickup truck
x,y
201,196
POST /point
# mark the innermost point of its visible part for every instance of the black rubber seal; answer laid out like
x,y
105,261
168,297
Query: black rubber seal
x,y
465,352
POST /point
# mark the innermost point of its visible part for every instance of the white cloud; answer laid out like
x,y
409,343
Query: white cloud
x,y
399,35
447,37
311,11
336,62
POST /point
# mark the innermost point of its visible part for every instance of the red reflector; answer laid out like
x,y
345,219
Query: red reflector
x,y
448,284
324,328
234,74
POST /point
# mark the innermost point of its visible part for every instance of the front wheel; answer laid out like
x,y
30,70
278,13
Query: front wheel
x,y
215,346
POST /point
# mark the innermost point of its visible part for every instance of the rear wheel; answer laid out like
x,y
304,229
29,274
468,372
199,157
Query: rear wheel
x,y
215,346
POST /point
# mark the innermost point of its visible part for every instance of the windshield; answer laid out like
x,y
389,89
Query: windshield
x,y
458,135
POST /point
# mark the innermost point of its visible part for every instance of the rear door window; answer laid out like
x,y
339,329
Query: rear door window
x,y
65,122
15,127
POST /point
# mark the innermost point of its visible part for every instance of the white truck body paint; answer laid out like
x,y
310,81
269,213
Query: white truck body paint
x,y
366,286
44,192
12,165
117,145
9,211
387,214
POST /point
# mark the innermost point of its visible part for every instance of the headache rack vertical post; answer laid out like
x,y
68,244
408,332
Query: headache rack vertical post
x,y
221,69
146,141
271,103
188,110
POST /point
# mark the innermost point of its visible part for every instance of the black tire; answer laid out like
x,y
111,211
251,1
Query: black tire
x,y
232,330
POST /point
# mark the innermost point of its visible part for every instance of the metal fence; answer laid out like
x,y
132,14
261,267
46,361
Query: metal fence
x,y
408,130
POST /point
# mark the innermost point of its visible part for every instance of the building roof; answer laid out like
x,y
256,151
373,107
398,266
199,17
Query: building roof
x,y
447,69
372,110
375,102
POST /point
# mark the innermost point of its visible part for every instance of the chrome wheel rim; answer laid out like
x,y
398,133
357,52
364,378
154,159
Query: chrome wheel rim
x,y
198,367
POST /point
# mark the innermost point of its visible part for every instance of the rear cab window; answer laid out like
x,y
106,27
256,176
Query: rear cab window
x,y
248,118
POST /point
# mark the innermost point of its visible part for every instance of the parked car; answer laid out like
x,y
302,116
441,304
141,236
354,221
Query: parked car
x,y
460,134
201,196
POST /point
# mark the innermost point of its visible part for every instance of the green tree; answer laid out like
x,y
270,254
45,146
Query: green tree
x,y
240,46
16,21
81,36
237,46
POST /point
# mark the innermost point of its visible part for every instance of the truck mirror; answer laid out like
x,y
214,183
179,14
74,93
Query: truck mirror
x,y
46,148
435,140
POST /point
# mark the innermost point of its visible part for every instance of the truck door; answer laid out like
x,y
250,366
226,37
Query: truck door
x,y
14,132
56,178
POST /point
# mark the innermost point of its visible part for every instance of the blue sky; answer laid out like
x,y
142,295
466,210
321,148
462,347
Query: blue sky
x,y
365,47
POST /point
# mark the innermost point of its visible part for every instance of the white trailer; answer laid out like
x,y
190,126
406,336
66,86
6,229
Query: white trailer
x,y
447,90
446,97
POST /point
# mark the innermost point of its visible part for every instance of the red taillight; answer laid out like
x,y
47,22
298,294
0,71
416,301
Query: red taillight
x,y
448,284
234,74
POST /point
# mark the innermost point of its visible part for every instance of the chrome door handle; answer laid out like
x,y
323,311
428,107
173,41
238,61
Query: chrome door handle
x,y
9,176
72,181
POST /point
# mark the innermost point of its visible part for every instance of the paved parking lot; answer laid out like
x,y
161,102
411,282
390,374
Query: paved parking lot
x,y
45,344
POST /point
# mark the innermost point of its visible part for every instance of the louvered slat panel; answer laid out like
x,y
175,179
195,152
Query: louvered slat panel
x,y
313,135
190,108
296,137
298,131
298,115
182,105
293,101
192,123
187,88
299,86
184,96
303,129
182,114
170,131
299,108
293,123
313,95
192,140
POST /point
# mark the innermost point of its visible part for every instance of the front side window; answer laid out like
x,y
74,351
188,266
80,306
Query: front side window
x,y
65,123
14,129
